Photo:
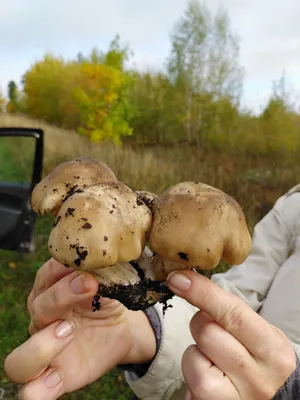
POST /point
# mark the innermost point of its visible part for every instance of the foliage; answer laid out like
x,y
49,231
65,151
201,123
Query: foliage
x,y
88,94
195,98
2,102
101,96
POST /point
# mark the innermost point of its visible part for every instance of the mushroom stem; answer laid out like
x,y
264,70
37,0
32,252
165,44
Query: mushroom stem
x,y
132,284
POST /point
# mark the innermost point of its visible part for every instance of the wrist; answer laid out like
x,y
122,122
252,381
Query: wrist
x,y
144,343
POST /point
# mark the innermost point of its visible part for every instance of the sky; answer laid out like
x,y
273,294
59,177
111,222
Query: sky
x,y
269,32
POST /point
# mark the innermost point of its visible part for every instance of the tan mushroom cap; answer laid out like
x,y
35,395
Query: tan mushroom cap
x,y
197,225
105,224
65,179
156,267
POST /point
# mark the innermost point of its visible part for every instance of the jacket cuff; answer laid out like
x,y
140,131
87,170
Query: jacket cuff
x,y
164,375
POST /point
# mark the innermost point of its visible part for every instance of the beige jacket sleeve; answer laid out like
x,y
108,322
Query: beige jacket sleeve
x,y
274,240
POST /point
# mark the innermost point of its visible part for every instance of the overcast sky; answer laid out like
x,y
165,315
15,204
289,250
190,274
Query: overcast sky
x,y
269,31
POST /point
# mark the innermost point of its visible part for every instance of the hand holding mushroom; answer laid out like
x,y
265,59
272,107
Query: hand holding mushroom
x,y
102,226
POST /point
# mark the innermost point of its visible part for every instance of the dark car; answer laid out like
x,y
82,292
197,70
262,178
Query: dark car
x,y
17,219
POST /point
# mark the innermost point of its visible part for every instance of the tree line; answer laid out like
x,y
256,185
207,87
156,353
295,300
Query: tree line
x,y
195,98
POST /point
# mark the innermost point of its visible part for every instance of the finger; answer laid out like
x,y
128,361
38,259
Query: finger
x,y
204,380
50,273
229,311
48,386
224,351
62,297
31,358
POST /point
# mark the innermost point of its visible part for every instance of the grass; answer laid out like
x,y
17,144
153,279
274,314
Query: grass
x,y
255,182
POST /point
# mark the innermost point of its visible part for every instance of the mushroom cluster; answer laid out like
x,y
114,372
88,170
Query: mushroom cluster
x,y
131,240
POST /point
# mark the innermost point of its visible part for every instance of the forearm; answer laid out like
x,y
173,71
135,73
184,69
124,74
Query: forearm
x,y
144,338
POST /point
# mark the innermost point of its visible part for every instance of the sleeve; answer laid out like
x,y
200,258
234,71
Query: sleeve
x,y
164,380
291,389
273,240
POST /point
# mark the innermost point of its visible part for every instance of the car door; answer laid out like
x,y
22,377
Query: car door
x,y
17,219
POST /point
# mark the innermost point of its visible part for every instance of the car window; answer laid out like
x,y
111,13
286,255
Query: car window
x,y
16,159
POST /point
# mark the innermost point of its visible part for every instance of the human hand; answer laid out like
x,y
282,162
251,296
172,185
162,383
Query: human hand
x,y
237,355
72,346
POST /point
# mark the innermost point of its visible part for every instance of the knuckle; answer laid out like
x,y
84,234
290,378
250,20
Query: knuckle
x,y
39,351
204,387
29,301
266,392
39,280
195,324
285,359
37,316
57,300
233,319
35,309
281,357
9,370
32,329
199,322
27,393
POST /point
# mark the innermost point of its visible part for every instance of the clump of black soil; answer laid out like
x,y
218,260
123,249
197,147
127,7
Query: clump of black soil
x,y
140,296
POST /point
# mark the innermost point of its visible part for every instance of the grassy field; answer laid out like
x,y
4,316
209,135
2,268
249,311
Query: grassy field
x,y
255,182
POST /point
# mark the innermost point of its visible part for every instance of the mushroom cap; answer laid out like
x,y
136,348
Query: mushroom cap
x,y
68,177
104,224
146,196
196,225
161,267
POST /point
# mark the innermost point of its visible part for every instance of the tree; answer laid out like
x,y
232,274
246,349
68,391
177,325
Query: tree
x,y
2,102
101,102
279,120
12,90
203,65
45,87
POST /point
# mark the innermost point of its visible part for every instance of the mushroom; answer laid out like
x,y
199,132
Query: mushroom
x,y
195,226
66,179
103,226
101,230
147,197
105,222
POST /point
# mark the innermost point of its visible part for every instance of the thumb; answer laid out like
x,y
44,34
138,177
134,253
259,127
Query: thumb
x,y
48,386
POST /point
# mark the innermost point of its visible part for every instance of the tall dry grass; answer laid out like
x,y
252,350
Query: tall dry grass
x,y
255,182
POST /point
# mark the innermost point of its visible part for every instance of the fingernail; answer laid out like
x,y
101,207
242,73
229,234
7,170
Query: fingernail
x,y
53,379
64,329
188,396
179,281
79,285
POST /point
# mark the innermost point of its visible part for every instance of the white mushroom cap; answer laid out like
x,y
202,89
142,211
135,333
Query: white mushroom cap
x,y
67,178
103,225
197,225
